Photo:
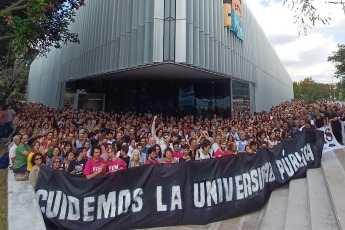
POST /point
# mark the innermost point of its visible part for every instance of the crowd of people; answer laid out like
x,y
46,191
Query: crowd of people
x,y
92,143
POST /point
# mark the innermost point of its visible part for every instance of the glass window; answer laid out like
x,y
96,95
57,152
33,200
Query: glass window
x,y
241,98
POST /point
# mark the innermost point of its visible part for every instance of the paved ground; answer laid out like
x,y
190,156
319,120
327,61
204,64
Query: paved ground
x,y
246,222
340,153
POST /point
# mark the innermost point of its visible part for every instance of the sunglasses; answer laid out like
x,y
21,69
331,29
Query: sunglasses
x,y
38,158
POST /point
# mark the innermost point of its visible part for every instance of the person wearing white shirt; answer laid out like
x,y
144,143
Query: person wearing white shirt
x,y
233,133
216,144
167,143
159,136
12,151
205,153
241,144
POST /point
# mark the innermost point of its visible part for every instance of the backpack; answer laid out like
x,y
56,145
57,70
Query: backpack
x,y
199,155
4,161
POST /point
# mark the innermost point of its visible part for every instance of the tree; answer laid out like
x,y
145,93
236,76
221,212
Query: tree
x,y
309,89
36,25
307,13
338,59
14,72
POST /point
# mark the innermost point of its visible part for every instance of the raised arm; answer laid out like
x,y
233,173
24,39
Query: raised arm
x,y
153,128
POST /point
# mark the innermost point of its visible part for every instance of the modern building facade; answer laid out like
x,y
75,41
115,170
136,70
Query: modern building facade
x,y
172,56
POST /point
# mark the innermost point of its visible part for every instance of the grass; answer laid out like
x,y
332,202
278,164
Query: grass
x,y
3,192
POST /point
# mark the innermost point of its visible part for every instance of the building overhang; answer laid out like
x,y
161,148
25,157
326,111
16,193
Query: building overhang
x,y
161,71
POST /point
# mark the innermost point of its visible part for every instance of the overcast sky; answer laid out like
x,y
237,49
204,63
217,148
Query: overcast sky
x,y
303,56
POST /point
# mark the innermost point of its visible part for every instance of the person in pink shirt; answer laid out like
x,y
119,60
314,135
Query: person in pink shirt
x,y
168,157
114,163
176,154
95,166
222,150
152,156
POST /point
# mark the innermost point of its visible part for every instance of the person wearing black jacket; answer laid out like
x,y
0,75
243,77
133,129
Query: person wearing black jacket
x,y
334,119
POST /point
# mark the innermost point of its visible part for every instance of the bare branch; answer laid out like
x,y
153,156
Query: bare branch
x,y
18,8
20,2
7,37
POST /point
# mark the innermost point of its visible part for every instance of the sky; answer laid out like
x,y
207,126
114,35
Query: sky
x,y
302,55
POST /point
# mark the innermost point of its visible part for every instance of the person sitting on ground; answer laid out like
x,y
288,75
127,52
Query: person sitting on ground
x,y
168,159
205,153
135,159
35,148
95,166
12,150
114,162
36,161
76,167
20,163
152,156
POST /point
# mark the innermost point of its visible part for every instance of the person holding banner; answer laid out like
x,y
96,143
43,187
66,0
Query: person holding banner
x,y
76,166
187,154
319,120
95,166
334,119
152,156
205,153
168,159
222,150
114,162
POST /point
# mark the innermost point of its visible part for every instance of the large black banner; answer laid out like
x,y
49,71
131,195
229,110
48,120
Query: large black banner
x,y
187,193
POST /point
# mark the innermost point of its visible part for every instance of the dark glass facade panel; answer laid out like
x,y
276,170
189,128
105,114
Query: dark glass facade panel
x,y
169,30
241,97
171,97
91,101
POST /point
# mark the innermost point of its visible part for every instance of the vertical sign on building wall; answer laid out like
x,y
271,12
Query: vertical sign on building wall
x,y
232,10
227,12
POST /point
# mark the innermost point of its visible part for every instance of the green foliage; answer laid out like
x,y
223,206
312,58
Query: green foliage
x,y
311,90
338,59
37,25
14,72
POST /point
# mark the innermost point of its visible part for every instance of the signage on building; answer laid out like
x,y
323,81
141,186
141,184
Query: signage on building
x,y
232,11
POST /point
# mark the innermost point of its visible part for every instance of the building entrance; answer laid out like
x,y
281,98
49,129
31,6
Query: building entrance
x,y
171,97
